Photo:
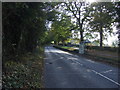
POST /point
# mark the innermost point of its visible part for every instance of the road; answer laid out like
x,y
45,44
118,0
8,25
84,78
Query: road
x,y
65,70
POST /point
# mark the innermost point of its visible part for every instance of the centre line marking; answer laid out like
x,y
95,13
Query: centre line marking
x,y
100,74
106,78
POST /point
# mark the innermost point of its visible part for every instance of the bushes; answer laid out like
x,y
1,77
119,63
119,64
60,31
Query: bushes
x,y
26,73
112,49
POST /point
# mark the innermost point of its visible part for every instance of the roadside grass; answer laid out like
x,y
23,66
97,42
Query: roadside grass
x,y
100,56
24,73
69,48
104,54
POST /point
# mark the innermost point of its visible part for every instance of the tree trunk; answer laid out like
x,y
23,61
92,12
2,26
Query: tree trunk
x,y
81,46
119,47
101,36
81,36
57,42
63,43
81,32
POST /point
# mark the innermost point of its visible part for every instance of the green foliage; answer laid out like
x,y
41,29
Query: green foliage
x,y
80,12
102,18
117,9
24,25
26,73
101,15
61,29
23,31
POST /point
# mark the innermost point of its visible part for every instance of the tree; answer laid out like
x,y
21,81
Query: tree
x,y
102,18
23,26
118,27
61,29
80,13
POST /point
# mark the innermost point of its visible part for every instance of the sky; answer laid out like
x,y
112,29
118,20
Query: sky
x,y
112,38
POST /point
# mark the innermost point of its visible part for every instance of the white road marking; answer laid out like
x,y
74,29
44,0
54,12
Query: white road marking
x,y
106,77
77,62
107,71
94,70
90,61
72,58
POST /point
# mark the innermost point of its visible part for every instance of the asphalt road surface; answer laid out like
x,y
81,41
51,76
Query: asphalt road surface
x,y
65,70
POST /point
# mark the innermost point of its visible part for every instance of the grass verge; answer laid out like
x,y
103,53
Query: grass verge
x,y
24,72
92,57
69,48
